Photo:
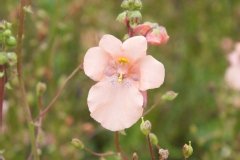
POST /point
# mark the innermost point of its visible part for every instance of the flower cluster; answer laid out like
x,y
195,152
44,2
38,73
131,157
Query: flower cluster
x,y
131,17
232,75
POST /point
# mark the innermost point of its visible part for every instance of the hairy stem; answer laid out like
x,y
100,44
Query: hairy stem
x,y
60,91
150,148
21,82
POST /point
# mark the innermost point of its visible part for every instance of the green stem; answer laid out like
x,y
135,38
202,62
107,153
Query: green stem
x,y
26,107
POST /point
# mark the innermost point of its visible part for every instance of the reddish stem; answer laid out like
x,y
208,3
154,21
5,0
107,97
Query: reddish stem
x,y
2,84
150,148
117,146
129,28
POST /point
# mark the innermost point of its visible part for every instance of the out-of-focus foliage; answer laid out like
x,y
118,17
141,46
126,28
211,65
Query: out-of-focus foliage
x,y
57,35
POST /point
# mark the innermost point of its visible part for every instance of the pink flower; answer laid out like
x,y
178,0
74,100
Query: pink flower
x,y
232,75
123,71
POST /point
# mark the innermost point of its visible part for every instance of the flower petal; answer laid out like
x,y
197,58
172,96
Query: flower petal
x,y
135,47
232,77
115,105
152,73
234,58
111,45
95,62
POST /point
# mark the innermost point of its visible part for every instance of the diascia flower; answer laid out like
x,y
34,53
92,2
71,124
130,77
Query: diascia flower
x,y
123,72
232,75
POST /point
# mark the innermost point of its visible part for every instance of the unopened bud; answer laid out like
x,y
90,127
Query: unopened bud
x,y
163,154
138,4
11,41
8,25
135,16
2,74
142,29
135,156
7,32
41,88
169,95
153,139
145,127
187,150
125,4
77,143
3,58
12,58
125,37
122,17
2,25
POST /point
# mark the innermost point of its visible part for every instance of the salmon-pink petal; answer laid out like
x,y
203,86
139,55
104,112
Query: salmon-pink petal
x,y
115,105
232,77
95,62
111,45
152,73
135,47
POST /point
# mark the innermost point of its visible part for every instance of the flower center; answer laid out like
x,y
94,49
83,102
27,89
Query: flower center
x,y
123,61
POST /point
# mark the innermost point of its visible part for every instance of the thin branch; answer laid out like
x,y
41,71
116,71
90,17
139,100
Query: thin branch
x,y
21,82
150,147
99,154
58,93
150,109
158,102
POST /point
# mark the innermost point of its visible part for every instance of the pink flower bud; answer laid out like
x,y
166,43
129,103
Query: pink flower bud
x,y
157,36
142,29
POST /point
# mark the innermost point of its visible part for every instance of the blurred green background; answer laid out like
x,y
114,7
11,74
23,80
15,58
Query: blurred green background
x,y
59,32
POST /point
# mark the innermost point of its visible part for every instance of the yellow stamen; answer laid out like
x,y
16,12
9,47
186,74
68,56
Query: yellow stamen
x,y
120,77
122,60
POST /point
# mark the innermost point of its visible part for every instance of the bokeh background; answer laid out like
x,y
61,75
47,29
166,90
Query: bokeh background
x,y
57,35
